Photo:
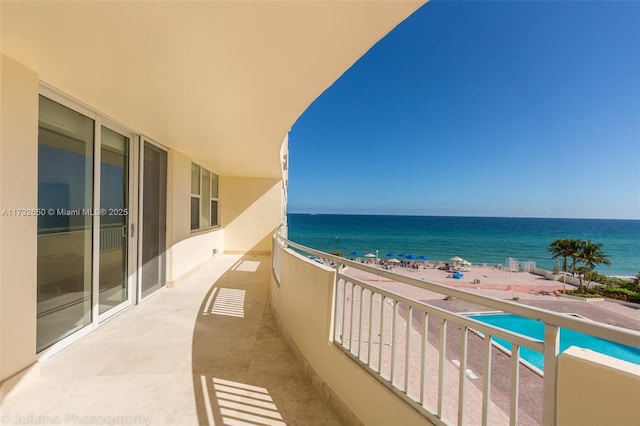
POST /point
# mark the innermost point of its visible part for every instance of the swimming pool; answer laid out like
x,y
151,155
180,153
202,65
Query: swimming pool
x,y
535,329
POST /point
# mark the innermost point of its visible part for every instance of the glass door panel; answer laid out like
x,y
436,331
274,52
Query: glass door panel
x,y
65,194
114,214
154,221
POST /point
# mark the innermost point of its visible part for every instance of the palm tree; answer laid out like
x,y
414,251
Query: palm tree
x,y
565,248
591,255
560,248
576,247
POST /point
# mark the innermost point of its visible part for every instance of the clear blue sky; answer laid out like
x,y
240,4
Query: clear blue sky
x,y
509,108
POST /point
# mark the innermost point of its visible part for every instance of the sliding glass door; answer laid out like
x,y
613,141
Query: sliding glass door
x,y
84,239
65,198
113,279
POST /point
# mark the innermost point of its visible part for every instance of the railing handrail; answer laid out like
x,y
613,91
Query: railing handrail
x,y
601,330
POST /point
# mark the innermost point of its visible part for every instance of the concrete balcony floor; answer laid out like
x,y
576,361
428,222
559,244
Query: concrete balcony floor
x,y
204,352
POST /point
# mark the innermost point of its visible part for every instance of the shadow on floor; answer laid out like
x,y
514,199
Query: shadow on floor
x,y
243,373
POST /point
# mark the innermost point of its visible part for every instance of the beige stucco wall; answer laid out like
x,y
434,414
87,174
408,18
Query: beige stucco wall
x,y
596,389
186,249
303,303
189,253
18,189
251,211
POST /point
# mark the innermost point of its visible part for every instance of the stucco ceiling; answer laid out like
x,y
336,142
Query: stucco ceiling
x,y
220,81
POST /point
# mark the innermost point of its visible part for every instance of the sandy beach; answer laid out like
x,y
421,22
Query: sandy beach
x,y
531,289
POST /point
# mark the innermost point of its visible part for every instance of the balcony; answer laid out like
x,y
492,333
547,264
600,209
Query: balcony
x,y
213,350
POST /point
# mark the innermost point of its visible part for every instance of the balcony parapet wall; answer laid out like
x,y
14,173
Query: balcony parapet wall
x,y
595,389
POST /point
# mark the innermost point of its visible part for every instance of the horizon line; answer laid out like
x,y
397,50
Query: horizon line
x,y
453,215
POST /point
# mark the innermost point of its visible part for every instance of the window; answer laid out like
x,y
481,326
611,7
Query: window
x,y
204,198
214,200
195,196
205,215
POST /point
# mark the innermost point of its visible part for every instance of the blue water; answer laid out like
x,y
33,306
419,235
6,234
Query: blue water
x,y
568,338
476,239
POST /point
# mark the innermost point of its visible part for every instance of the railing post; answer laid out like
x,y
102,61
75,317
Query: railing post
x,y
394,340
423,358
371,296
441,365
462,374
515,384
382,335
486,377
549,383
407,355
338,313
361,320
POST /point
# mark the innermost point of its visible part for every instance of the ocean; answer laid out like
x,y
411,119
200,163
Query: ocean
x,y
480,240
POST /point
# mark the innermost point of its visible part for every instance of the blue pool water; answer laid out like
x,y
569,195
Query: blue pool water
x,y
535,329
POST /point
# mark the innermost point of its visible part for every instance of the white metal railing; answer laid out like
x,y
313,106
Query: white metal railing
x,y
411,346
111,238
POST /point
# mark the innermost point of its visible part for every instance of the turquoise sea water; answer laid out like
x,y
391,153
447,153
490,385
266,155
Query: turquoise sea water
x,y
476,239
568,338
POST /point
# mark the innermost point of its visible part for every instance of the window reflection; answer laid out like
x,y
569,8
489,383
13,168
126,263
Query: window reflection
x,y
65,182
114,192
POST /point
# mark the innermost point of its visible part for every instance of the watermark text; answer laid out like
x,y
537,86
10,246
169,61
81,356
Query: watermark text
x,y
33,418
64,212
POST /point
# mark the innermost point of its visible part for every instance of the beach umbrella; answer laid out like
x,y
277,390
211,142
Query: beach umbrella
x,y
369,255
423,257
356,253
394,261
457,259
401,255
391,255
466,263
410,256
